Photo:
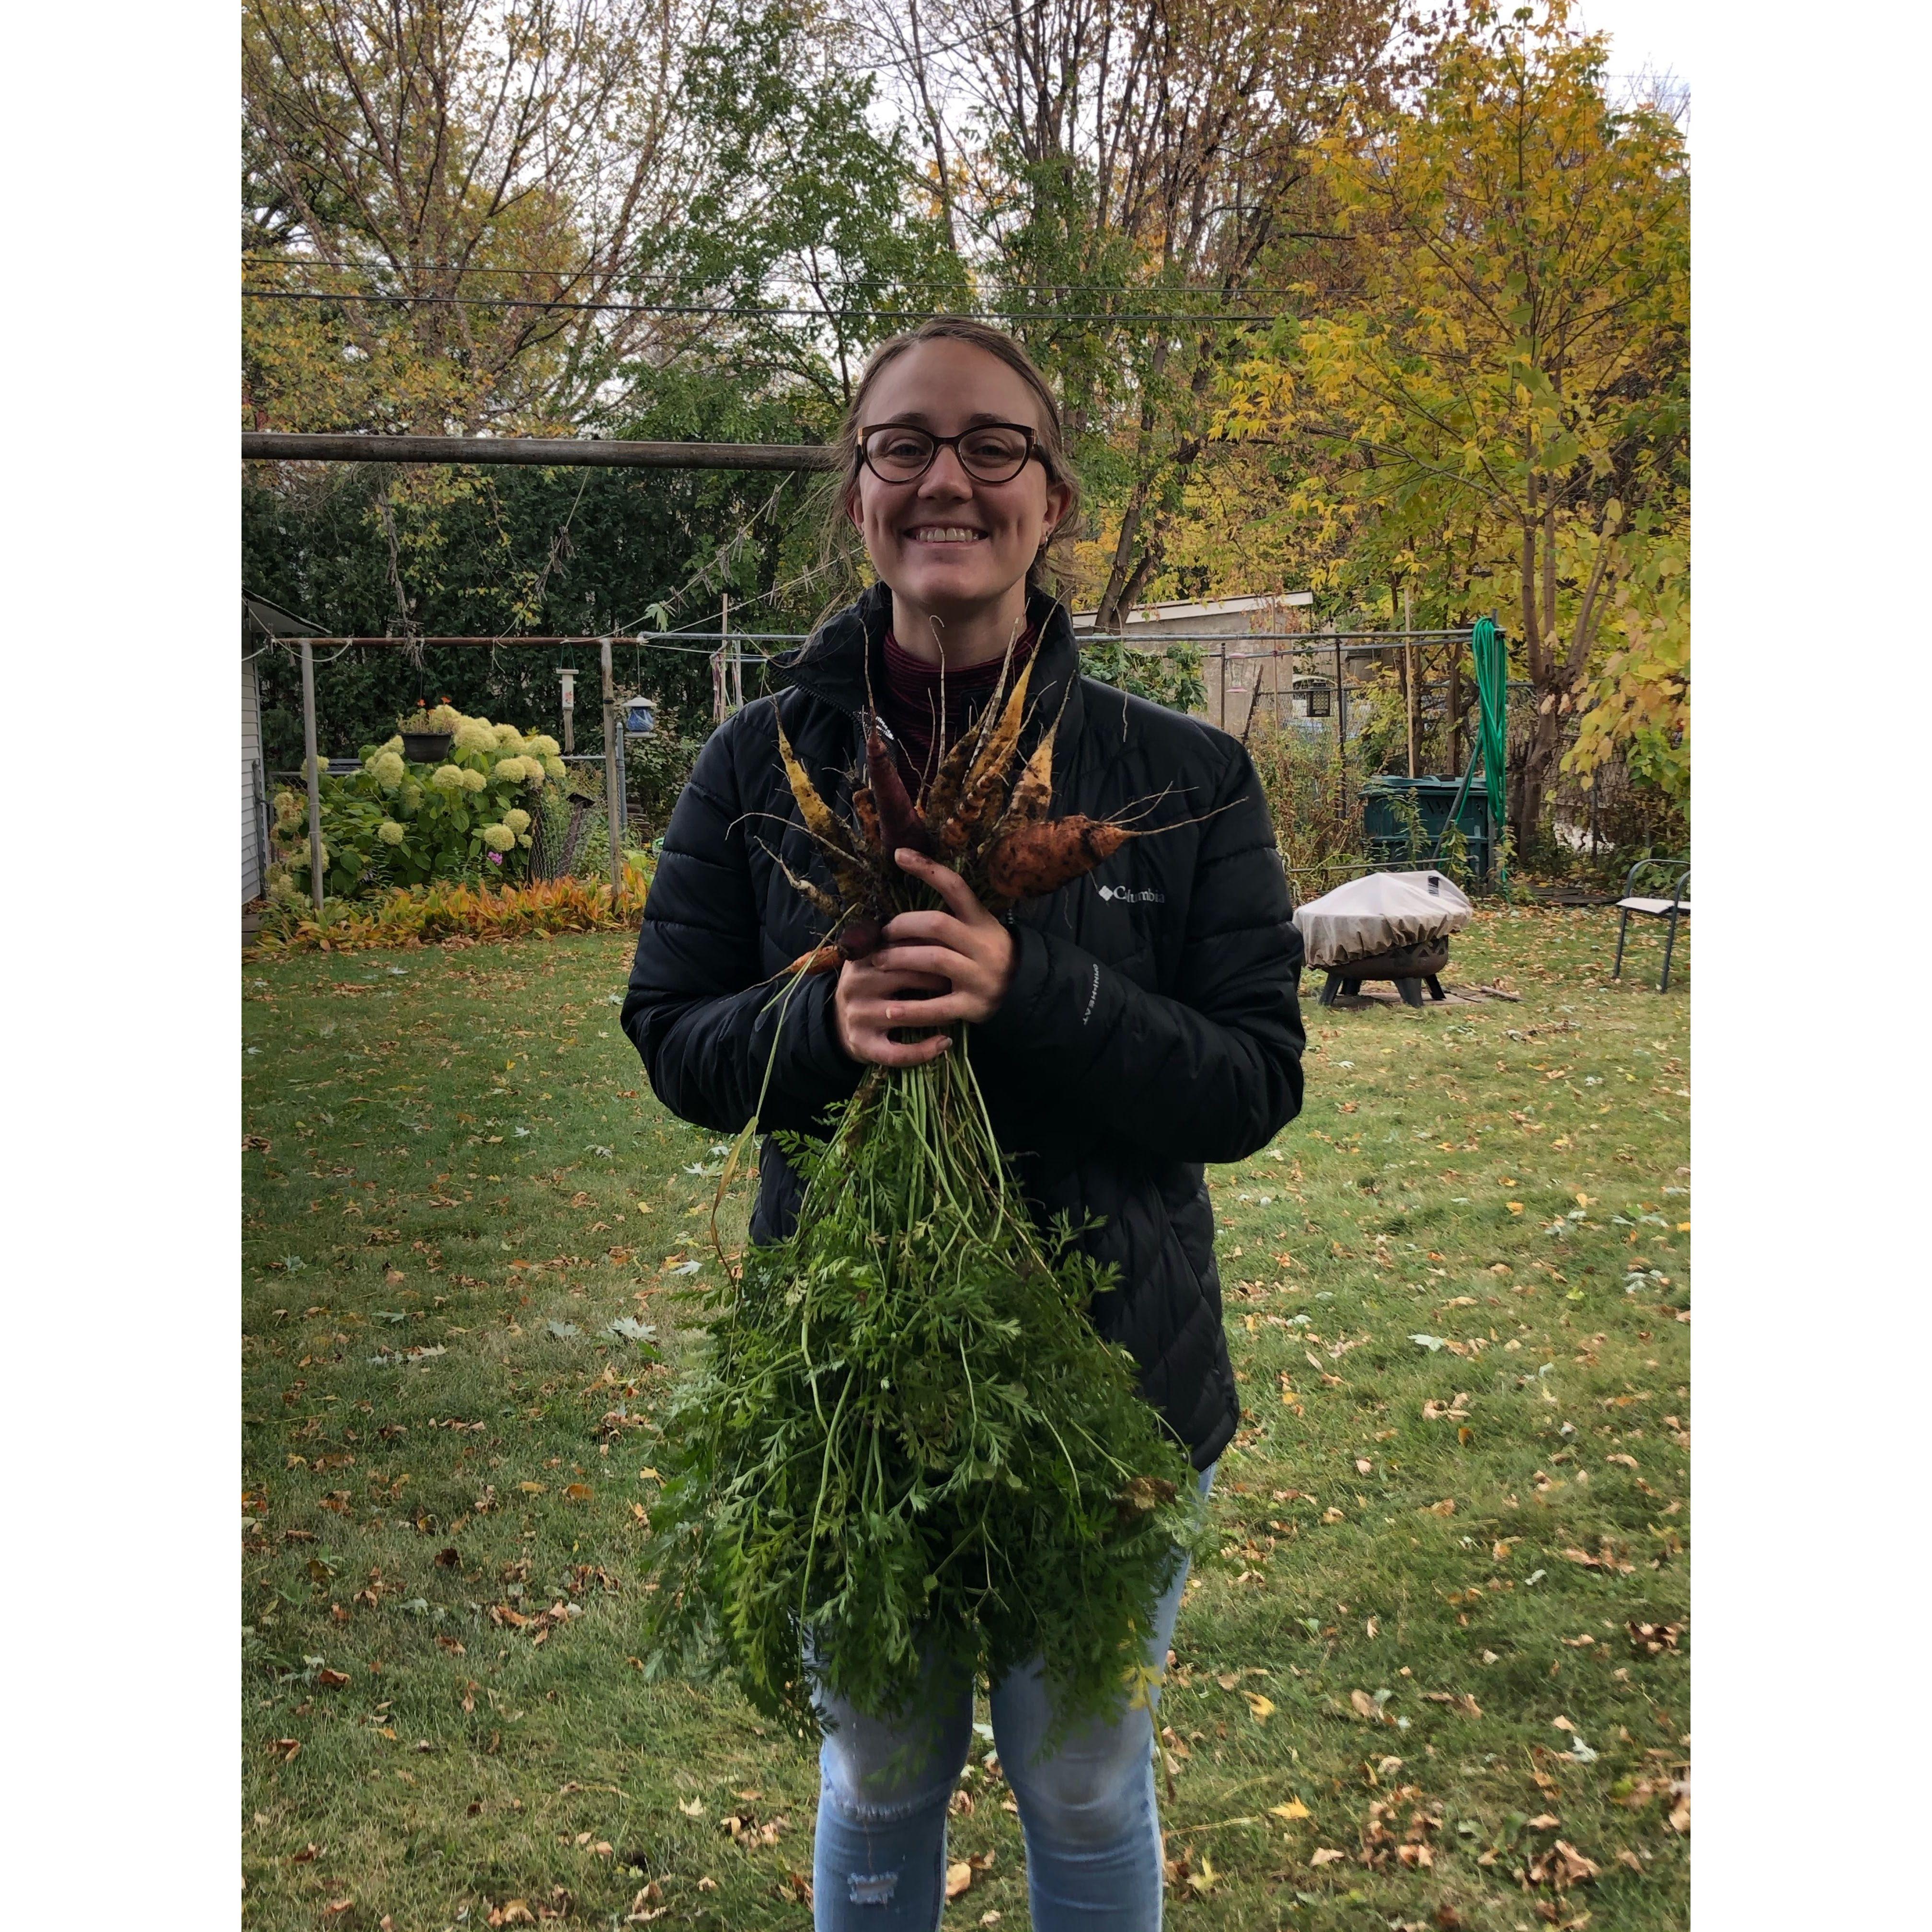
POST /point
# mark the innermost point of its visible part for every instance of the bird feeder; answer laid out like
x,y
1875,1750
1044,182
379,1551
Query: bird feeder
x,y
640,717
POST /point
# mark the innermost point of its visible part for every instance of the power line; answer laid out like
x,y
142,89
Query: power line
x,y
737,314
313,262
548,452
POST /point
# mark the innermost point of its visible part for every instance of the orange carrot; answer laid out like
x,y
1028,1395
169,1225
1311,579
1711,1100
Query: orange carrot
x,y
986,784
819,959
943,794
1029,861
1033,794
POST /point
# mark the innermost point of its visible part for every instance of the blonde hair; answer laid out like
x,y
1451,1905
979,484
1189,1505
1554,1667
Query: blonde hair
x,y
841,548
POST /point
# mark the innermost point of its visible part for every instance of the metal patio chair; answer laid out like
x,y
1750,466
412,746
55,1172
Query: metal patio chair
x,y
1677,906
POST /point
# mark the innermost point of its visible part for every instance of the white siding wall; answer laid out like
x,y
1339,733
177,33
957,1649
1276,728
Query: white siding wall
x,y
253,786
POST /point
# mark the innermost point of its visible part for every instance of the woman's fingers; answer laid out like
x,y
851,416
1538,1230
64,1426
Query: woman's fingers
x,y
874,1043
940,967
872,979
946,882
885,1052
940,926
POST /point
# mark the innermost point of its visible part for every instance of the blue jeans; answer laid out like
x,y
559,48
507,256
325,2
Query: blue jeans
x,y
1092,1836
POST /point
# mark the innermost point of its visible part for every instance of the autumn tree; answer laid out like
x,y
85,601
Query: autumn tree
x,y
441,194
1505,398
1116,176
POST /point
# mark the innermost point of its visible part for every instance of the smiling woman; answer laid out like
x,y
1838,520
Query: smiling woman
x,y
957,478
1125,1026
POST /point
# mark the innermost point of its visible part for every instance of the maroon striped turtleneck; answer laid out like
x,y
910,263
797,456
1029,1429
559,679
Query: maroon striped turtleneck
x,y
910,698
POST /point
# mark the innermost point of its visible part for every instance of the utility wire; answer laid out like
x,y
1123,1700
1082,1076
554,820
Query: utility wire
x,y
315,263
730,314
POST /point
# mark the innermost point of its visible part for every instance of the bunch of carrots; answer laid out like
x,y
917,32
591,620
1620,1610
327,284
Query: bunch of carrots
x,y
972,813
904,1447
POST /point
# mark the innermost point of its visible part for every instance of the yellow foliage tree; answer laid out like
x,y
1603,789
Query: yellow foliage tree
x,y
1502,401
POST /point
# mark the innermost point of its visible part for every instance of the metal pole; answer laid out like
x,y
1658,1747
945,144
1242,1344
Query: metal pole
x,y
613,771
1221,705
314,776
1341,734
1409,679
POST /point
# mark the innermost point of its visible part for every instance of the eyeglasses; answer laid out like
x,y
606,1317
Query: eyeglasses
x,y
988,452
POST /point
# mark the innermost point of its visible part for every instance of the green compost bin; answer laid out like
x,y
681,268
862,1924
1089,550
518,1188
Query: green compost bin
x,y
1391,837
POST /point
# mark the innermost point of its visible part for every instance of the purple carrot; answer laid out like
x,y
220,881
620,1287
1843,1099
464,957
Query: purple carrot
x,y
899,823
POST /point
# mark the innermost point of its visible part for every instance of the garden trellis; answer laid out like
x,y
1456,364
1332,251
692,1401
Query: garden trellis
x,y
1319,647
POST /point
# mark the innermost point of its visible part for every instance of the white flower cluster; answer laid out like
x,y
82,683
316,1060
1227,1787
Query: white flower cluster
x,y
498,838
387,768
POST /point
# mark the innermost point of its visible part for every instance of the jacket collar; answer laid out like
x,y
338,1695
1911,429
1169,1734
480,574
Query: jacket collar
x,y
831,665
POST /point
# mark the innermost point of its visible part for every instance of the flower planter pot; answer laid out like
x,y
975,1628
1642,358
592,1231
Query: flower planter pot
x,y
426,747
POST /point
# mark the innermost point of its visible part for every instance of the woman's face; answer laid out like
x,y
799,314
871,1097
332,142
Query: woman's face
x,y
947,542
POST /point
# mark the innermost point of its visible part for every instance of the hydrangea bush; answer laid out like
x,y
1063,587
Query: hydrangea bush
x,y
396,824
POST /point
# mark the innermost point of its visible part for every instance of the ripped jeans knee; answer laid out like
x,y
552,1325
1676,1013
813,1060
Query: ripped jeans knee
x,y
879,1844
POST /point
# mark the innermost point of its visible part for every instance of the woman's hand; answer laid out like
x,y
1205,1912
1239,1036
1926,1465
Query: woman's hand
x,y
957,964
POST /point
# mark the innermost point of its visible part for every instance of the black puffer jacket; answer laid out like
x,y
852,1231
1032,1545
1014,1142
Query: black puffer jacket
x,y
1152,1024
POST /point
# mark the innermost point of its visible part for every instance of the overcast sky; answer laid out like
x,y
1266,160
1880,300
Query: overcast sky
x,y
1643,33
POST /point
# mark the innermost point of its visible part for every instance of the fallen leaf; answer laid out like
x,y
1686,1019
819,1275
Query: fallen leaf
x,y
577,1492
331,1680
1293,1809
1563,1866
1262,1707
959,1879
1366,1706
1325,1854
531,1488
336,1907
692,1807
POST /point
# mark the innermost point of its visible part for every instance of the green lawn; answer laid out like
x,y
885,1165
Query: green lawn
x,y
1423,1627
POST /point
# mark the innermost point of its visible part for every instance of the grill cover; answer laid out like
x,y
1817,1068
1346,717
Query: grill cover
x,y
1379,912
